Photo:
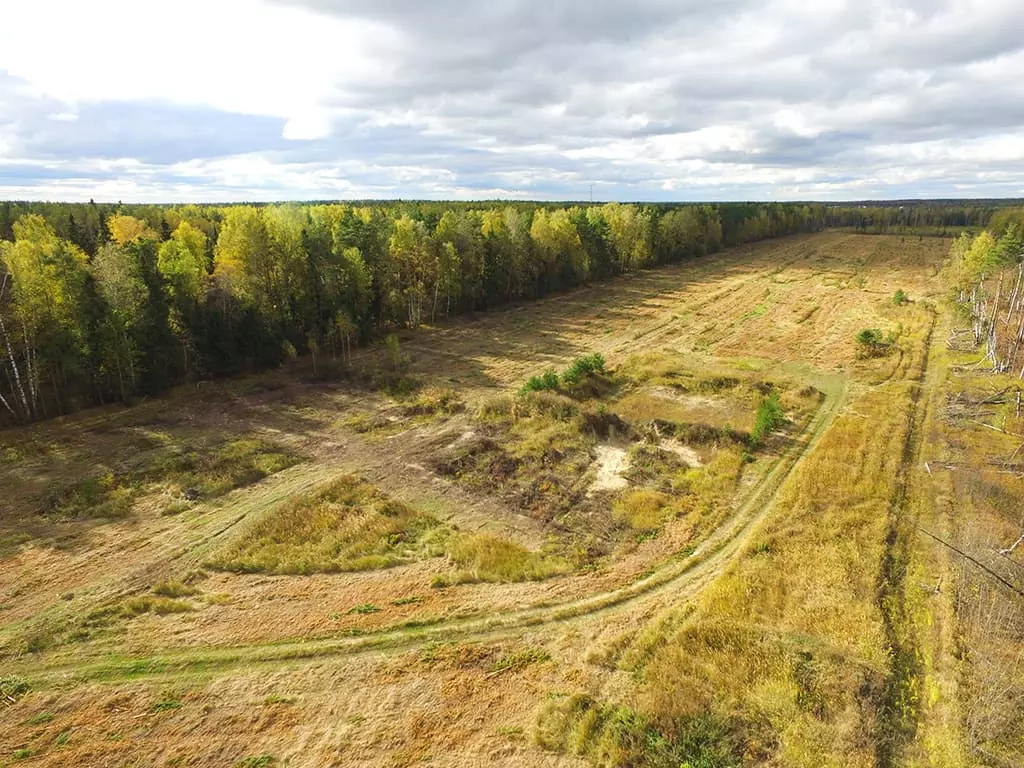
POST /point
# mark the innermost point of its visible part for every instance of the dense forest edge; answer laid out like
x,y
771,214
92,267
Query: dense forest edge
x,y
102,303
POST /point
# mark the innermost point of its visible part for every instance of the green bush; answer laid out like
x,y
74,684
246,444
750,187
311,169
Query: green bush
x,y
900,298
583,366
546,381
769,418
871,343
579,368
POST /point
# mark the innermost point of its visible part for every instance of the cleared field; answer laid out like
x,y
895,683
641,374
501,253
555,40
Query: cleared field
x,y
466,575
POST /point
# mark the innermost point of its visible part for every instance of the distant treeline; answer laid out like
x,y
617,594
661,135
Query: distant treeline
x,y
107,302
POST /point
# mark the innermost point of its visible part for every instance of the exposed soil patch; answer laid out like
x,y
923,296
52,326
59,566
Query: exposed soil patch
x,y
611,464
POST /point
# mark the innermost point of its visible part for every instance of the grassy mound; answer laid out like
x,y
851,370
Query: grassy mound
x,y
346,526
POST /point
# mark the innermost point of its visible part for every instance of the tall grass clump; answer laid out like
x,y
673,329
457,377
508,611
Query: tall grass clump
x,y
199,473
642,510
484,557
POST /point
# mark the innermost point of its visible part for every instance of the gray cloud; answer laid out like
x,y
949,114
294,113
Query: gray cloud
x,y
652,99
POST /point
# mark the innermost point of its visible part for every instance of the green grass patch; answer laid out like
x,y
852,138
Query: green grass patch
x,y
167,702
275,698
513,662
13,688
435,402
414,600
364,609
256,761
232,465
347,525
10,544
136,606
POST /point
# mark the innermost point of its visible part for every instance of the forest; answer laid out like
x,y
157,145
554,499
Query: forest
x,y
103,303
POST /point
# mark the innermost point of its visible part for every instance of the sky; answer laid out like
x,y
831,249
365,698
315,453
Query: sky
x,y
232,100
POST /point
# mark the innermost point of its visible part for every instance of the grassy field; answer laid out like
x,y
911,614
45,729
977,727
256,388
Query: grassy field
x,y
704,550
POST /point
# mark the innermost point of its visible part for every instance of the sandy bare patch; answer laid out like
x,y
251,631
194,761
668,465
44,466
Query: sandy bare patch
x,y
683,451
611,463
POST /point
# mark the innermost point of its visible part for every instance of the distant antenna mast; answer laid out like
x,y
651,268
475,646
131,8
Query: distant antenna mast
x,y
591,193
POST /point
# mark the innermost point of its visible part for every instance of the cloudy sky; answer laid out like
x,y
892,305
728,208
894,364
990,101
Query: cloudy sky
x,y
217,100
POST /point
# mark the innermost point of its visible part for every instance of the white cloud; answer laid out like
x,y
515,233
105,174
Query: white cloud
x,y
242,56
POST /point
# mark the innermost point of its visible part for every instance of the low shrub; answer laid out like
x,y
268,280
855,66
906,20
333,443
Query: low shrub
x,y
579,369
